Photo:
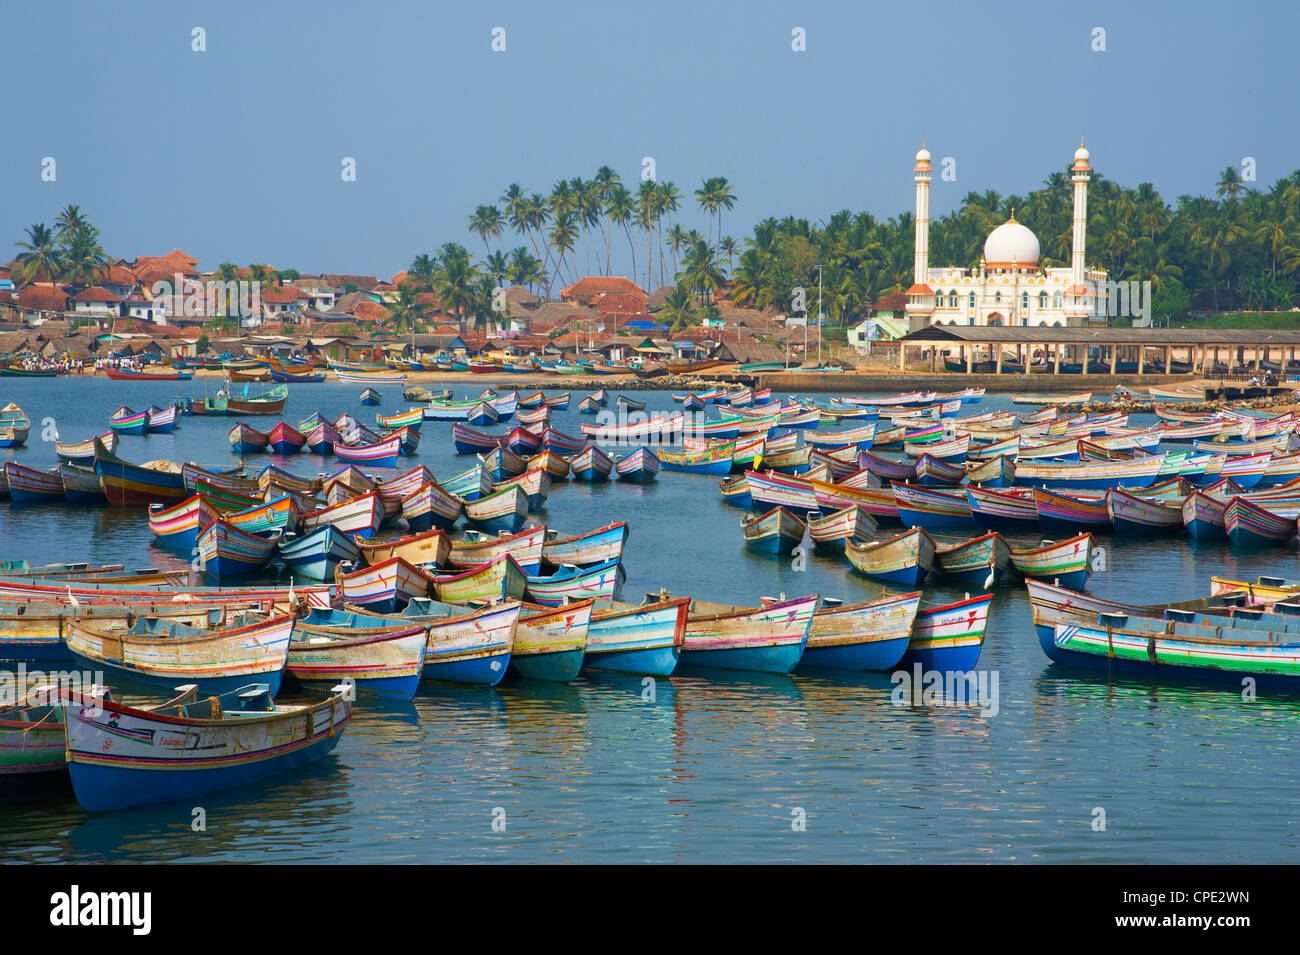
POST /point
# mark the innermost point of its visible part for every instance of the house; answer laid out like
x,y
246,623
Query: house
x,y
749,352
369,312
152,312
891,317
118,279
96,300
316,294
520,297
587,290
280,302
40,300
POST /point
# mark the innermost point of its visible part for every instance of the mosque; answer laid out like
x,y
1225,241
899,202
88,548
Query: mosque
x,y
1009,287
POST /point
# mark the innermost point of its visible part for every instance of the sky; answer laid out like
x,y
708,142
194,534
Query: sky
x,y
236,153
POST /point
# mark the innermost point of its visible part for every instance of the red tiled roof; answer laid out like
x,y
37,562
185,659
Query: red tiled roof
x,y
43,295
95,294
596,284
117,275
281,294
369,312
893,302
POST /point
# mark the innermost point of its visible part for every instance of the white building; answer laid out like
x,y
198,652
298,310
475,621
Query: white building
x,y
1009,287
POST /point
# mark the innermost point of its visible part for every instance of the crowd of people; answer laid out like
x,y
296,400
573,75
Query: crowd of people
x,y
62,365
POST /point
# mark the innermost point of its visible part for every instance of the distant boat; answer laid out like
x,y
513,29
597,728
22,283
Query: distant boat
x,y
119,374
370,377
371,396
15,426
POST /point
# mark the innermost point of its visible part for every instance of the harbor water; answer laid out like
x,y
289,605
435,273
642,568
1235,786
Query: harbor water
x,y
1066,767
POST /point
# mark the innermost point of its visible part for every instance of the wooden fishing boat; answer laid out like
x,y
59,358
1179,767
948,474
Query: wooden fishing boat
x,y
120,756
1071,513
983,561
767,639
887,469
933,472
777,531
664,428
359,516
1247,524
948,639
372,396
369,377
380,662
906,558
830,533
161,653
226,551
384,587
127,484
642,640
381,454
1132,514
550,643
122,374
428,548
1246,643
29,486
245,439
502,510
1081,398
270,402
591,464
1065,563
430,506
570,582
996,472
177,526
81,485
930,508
83,452
498,579
877,501
630,404
502,463
588,405
318,553
639,466
715,460
32,733
286,439
476,549
411,418
1137,473
865,636
126,421
470,648
1013,509
584,550
1203,516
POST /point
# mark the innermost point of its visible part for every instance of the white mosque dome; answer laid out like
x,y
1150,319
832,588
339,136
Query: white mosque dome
x,y
1011,242
923,155
1081,154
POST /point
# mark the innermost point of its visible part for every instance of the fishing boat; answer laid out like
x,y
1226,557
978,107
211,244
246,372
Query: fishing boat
x,y
122,374
1081,398
887,469
177,526
369,377
245,439
32,733
831,532
1137,473
571,582
371,396
983,561
226,551
472,647
502,463
1132,514
1059,512
83,452
643,640
629,404
126,421
1065,563
1247,524
381,454
286,439
318,553
714,460
127,484
550,644
1203,516
120,756
931,508
359,516
499,579
476,549
385,587
864,636
584,550
778,531
639,466
996,472
372,657
906,558
412,418
29,486
591,464
81,485
948,639
767,639
1012,509
502,510
161,653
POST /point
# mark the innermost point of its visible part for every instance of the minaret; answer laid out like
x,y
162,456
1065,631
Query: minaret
x,y
1081,172
920,297
921,263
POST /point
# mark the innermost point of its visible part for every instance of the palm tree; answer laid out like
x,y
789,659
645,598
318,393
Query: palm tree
x,y
69,220
453,282
645,220
620,207
1231,185
83,256
563,238
422,269
498,266
700,272
40,257
604,182
679,308
486,221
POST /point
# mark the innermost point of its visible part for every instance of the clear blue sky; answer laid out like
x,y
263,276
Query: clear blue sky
x,y
234,153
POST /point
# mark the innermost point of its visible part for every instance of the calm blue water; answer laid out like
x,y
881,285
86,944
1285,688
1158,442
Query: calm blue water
x,y
711,770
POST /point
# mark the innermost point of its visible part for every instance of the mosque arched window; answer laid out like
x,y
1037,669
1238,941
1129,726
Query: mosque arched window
x,y
952,299
938,299
1056,300
1024,301
1042,300
972,300
997,298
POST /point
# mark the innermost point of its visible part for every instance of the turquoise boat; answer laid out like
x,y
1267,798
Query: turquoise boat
x,y
645,640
